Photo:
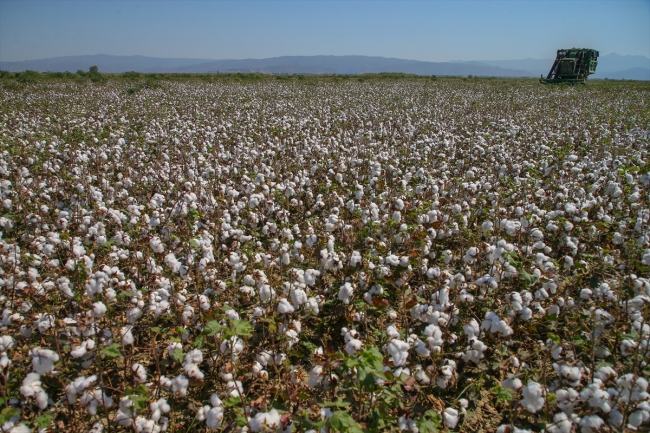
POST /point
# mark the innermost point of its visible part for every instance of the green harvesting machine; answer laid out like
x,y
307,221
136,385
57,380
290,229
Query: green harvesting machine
x,y
572,66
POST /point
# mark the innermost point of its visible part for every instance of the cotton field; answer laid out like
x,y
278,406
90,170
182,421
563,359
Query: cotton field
x,y
324,255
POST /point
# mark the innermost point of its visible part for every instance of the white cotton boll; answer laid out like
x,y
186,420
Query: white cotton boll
x,y
127,336
513,384
133,314
78,386
179,385
215,401
533,395
421,349
355,259
172,347
204,303
392,332
266,293
472,329
568,262
591,424
398,351
6,343
526,313
82,349
31,387
487,226
638,417
353,345
284,307
99,309
553,310
450,417
214,417
247,290
470,255
312,305
618,238
298,297
616,418
139,372
124,414
392,260
433,272
434,337
158,408
315,376
310,276
265,421
156,245
561,424
193,371
172,263
421,376
346,291
234,388
43,360
194,356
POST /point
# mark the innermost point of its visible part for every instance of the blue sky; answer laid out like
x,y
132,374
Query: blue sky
x,y
437,30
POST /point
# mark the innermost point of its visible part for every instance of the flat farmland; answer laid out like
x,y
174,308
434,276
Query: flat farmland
x,y
324,254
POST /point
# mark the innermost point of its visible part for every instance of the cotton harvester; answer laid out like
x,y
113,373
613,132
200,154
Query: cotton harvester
x,y
572,66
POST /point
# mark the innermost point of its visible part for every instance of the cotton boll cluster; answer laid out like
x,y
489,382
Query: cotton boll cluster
x,y
534,399
83,348
43,360
32,387
266,421
345,293
212,414
352,343
6,343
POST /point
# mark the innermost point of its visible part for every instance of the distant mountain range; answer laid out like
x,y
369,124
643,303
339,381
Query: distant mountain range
x,y
613,66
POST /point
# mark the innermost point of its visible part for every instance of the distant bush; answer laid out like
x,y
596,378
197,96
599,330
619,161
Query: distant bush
x,y
27,76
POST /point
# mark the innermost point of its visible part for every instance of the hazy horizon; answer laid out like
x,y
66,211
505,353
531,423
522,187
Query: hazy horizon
x,y
436,31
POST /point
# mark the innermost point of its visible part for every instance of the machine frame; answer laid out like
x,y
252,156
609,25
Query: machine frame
x,y
572,66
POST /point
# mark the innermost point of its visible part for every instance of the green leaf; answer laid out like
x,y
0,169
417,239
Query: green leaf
x,y
241,421
527,278
343,422
112,351
311,347
7,413
199,341
212,328
178,355
43,421
430,422
427,426
337,403
139,401
242,327
554,337
232,401
140,389
503,395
